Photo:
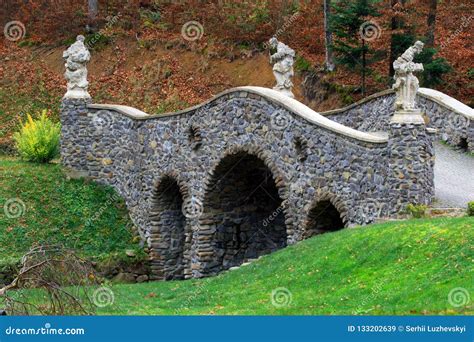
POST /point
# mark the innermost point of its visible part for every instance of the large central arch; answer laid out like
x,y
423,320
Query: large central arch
x,y
243,210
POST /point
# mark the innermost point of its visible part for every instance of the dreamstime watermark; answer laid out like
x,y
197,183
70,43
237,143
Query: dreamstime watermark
x,y
103,296
21,113
192,207
201,288
102,119
272,216
111,21
97,214
14,30
192,31
370,30
458,297
14,208
46,330
465,21
398,8
281,120
285,27
375,291
281,297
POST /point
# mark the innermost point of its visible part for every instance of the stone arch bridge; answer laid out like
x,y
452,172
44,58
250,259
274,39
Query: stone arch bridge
x,y
246,173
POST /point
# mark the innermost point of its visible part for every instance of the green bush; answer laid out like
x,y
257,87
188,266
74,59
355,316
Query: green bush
x,y
150,17
470,73
27,43
38,140
302,64
97,41
470,208
416,210
434,68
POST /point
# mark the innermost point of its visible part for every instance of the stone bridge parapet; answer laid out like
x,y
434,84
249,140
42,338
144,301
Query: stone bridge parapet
x,y
453,120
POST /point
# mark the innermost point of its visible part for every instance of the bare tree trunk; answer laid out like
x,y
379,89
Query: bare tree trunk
x,y
396,24
430,35
328,36
364,64
93,6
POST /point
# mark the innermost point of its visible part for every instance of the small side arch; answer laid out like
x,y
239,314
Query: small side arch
x,y
168,235
326,214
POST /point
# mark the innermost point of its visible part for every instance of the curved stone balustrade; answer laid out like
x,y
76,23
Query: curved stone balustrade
x,y
290,104
453,120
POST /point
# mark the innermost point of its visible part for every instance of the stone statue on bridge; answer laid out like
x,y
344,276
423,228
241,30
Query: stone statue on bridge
x,y
282,60
406,84
77,56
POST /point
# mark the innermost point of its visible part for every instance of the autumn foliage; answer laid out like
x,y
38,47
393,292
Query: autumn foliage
x,y
232,30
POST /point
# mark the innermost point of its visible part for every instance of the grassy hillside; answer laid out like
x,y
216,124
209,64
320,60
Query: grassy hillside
x,y
405,267
52,209
394,268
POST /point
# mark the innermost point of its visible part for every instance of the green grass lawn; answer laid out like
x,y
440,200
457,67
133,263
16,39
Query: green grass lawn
x,y
396,268
85,216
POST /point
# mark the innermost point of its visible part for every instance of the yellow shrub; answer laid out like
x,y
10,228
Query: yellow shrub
x,y
38,140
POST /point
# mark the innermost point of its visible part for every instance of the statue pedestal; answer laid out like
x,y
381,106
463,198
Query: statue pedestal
x,y
284,91
77,94
411,161
414,117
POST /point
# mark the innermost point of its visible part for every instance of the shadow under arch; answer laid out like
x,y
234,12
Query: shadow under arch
x,y
243,213
326,214
168,236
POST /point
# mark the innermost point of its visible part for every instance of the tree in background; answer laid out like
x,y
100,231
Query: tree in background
x,y
434,68
353,30
401,37
328,36
93,10
431,23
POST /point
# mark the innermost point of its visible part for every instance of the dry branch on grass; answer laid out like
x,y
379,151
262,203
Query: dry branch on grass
x,y
52,281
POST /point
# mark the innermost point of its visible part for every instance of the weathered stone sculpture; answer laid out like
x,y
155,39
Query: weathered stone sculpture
x,y
282,61
406,84
77,56
409,138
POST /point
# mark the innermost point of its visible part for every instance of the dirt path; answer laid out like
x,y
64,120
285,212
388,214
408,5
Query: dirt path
x,y
454,177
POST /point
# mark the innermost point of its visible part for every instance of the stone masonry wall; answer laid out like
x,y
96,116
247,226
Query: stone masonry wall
x,y
246,170
411,157
373,114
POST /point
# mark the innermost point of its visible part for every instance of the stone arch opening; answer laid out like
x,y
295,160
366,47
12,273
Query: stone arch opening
x,y
195,137
323,217
463,144
168,236
301,147
243,217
